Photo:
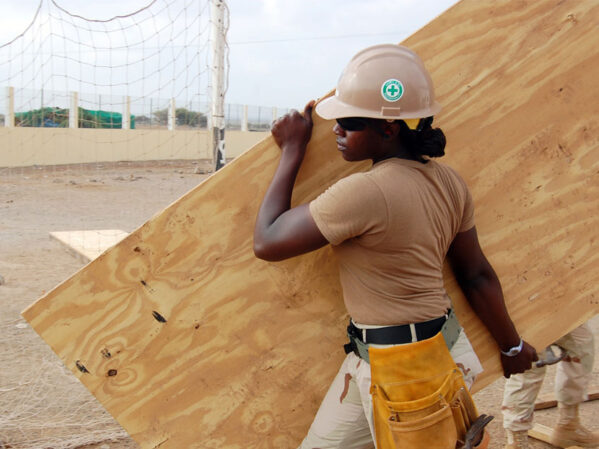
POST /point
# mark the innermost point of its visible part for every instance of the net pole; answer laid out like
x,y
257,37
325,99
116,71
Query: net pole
x,y
9,119
218,85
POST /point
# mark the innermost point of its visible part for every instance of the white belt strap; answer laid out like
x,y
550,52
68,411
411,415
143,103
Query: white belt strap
x,y
413,332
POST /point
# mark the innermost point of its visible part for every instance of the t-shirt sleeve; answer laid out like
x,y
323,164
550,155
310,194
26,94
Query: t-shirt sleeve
x,y
468,214
463,201
350,208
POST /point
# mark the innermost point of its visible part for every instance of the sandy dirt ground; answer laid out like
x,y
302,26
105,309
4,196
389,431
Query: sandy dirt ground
x,y
42,405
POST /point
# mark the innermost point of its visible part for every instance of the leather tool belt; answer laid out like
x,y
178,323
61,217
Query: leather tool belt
x,y
420,400
359,339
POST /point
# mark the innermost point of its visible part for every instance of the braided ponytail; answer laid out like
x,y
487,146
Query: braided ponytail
x,y
423,141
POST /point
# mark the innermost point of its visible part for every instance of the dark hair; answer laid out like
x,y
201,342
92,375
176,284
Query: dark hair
x,y
423,141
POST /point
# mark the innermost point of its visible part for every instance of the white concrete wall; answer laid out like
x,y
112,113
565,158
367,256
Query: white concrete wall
x,y
20,147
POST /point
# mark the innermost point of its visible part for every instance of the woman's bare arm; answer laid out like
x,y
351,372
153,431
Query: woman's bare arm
x,y
482,289
281,231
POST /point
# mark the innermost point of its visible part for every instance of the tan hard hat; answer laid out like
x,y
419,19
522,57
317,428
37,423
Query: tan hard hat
x,y
385,81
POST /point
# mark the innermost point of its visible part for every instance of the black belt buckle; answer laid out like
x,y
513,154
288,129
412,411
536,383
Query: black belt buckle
x,y
352,333
350,347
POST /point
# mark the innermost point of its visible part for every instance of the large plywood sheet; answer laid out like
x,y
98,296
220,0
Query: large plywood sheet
x,y
190,341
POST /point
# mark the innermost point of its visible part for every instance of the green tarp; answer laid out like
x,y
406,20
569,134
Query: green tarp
x,y
57,117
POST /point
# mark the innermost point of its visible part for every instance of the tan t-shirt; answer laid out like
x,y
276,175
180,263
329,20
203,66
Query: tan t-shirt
x,y
391,228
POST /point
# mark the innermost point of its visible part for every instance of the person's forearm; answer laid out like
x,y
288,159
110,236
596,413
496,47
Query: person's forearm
x,y
482,289
282,232
486,299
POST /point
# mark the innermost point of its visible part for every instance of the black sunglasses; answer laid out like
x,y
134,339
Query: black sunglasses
x,y
352,123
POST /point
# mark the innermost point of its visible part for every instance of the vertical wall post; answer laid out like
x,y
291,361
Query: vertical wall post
x,y
218,82
74,110
9,118
127,113
42,110
171,115
244,120
274,113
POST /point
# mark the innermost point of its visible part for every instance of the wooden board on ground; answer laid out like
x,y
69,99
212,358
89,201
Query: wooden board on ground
x,y
550,402
543,433
89,244
189,341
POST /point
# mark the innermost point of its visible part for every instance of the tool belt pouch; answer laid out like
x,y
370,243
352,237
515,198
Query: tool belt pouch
x,y
419,397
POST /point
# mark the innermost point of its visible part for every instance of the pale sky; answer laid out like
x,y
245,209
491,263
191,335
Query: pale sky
x,y
282,52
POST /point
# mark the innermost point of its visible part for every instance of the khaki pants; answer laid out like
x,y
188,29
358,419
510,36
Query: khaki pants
x,y
571,380
344,420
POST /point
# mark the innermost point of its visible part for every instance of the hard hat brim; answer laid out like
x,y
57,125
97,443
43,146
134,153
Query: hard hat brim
x,y
333,108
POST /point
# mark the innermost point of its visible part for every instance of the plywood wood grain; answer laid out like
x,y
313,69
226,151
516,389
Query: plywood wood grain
x,y
191,342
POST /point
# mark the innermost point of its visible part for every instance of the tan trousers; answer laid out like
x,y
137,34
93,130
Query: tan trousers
x,y
571,380
344,420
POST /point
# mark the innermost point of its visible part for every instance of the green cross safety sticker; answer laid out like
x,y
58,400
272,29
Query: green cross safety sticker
x,y
392,90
